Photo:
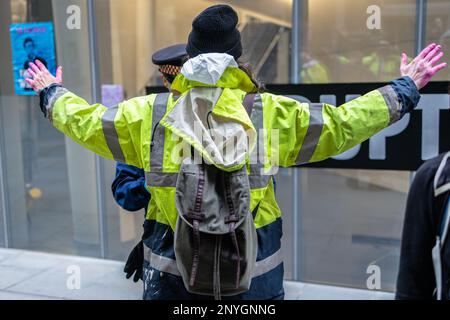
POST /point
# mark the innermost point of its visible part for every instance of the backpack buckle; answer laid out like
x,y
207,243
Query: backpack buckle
x,y
195,216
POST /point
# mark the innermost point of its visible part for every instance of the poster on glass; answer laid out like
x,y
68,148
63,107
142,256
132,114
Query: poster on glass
x,y
30,42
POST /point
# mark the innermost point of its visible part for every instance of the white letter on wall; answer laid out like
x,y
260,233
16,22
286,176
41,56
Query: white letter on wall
x,y
374,20
374,280
74,20
74,279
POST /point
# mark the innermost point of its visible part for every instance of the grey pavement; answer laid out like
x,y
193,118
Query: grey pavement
x,y
41,276
36,275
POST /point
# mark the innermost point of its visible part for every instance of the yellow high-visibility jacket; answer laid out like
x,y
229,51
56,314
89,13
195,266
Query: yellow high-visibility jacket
x,y
305,132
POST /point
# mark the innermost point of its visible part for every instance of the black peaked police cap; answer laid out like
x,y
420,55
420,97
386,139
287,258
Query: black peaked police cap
x,y
174,55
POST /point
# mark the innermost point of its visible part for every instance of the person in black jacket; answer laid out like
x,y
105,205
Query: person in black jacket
x,y
424,222
129,187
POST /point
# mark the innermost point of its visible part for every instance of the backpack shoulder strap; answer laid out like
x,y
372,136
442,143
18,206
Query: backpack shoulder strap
x,y
437,249
441,186
445,222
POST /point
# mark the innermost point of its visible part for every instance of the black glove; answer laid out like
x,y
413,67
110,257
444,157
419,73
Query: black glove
x,y
135,263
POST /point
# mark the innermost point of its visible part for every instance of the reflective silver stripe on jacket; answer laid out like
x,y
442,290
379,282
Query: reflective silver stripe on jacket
x,y
256,178
258,181
161,263
164,264
393,103
267,264
157,151
313,133
257,118
110,133
161,179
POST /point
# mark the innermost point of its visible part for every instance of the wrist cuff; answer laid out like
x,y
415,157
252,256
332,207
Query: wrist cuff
x,y
48,96
407,93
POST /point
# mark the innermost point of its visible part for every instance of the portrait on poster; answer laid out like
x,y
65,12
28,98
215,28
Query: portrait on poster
x,y
31,42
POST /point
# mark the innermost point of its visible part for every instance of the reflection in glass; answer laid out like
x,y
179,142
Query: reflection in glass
x,y
438,31
39,180
345,49
351,219
2,224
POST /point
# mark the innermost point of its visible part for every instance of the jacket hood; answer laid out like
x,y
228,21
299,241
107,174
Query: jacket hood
x,y
208,68
209,115
212,70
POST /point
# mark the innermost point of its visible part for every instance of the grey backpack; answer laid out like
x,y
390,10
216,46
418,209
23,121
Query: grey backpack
x,y
215,237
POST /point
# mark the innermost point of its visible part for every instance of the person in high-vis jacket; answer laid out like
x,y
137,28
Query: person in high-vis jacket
x,y
156,133
129,186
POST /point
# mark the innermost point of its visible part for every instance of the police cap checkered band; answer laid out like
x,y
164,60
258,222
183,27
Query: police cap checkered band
x,y
169,69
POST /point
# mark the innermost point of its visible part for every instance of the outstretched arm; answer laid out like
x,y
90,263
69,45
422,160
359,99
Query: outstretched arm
x,y
314,132
119,133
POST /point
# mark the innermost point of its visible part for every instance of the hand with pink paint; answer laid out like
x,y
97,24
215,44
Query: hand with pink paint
x,y
424,66
41,77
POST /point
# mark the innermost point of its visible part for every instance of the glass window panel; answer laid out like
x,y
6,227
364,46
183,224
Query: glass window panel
x,y
2,189
2,224
49,181
438,30
352,218
344,49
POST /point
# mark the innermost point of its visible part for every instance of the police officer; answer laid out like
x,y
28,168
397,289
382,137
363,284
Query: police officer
x,y
313,71
129,187
215,86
